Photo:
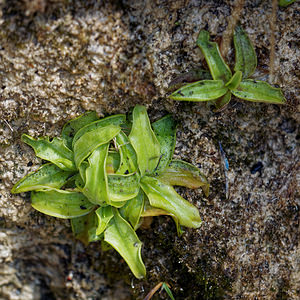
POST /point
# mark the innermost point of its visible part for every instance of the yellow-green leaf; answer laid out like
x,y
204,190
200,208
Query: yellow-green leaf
x,y
46,177
184,174
70,128
245,56
217,66
165,131
54,151
259,91
61,203
91,140
96,188
203,90
235,80
104,215
120,235
144,141
164,196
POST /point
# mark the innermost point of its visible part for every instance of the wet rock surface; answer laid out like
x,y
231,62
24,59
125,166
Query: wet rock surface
x,y
60,58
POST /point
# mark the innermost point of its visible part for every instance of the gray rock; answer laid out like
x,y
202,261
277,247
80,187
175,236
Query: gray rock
x,y
59,58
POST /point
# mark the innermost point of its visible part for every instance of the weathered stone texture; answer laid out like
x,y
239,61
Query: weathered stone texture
x,y
59,58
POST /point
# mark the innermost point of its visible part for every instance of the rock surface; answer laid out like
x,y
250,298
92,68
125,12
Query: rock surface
x,y
60,58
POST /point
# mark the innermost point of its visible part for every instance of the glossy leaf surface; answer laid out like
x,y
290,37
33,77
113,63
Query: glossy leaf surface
x,y
245,56
235,80
285,2
133,209
165,131
259,91
46,177
84,228
91,140
122,187
116,120
96,188
217,66
104,215
182,173
112,162
54,151
71,128
128,158
204,90
61,204
164,196
123,238
144,141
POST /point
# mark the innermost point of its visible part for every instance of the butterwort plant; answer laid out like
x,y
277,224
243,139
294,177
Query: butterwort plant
x,y
223,84
106,174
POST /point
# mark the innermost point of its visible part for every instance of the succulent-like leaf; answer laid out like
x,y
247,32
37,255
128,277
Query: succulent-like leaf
x,y
96,188
71,127
245,56
223,101
104,215
84,228
116,120
184,174
217,66
235,80
120,235
46,177
91,140
133,209
61,203
112,162
259,91
204,90
165,197
54,151
128,158
165,131
144,141
122,187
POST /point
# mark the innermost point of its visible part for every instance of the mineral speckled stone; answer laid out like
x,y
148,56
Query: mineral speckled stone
x,y
59,58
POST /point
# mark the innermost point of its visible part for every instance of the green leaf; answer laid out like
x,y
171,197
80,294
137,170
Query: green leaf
x,y
104,215
165,197
144,141
204,90
116,120
223,101
96,188
259,91
168,291
122,187
46,177
128,158
112,162
165,131
285,2
235,80
91,140
217,66
54,151
122,237
245,56
61,203
71,128
133,209
184,174
84,228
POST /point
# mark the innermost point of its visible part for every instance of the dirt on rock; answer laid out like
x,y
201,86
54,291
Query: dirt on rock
x,y
60,58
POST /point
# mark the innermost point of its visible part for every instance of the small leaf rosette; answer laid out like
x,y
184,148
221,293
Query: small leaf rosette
x,y
106,180
222,84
